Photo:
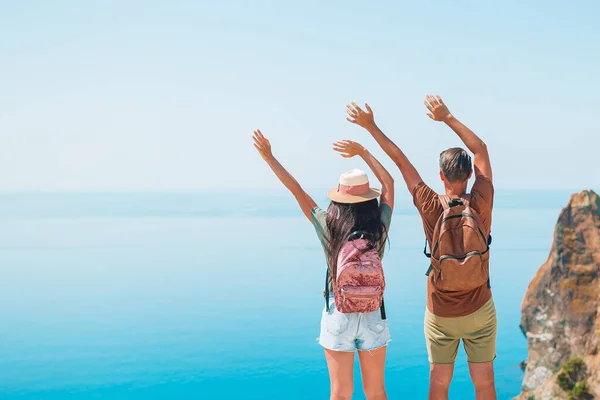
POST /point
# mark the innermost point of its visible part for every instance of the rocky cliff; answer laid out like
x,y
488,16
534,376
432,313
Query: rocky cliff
x,y
560,311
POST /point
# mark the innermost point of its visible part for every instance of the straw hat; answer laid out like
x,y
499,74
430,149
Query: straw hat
x,y
353,188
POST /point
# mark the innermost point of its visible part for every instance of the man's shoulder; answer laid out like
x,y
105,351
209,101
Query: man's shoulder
x,y
483,186
482,200
482,190
423,195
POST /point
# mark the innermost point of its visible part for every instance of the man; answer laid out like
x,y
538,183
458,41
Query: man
x,y
451,315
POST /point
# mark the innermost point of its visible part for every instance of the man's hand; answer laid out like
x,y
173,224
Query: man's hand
x,y
348,148
263,146
481,159
358,116
437,108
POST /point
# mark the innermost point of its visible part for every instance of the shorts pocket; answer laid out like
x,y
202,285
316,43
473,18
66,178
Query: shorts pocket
x,y
334,321
374,321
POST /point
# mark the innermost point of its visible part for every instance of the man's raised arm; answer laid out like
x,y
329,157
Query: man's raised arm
x,y
366,120
438,111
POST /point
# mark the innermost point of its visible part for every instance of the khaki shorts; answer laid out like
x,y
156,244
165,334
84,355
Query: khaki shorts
x,y
477,330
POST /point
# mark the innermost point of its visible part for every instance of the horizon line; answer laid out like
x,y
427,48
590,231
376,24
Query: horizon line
x,y
233,189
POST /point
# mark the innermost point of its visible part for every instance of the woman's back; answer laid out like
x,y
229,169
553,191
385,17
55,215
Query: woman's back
x,y
353,233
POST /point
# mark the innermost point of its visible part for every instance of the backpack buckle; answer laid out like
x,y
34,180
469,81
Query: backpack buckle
x,y
360,235
455,202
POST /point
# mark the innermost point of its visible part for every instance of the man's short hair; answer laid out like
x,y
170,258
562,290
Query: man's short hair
x,y
455,164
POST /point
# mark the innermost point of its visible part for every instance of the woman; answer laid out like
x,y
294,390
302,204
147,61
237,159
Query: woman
x,y
353,208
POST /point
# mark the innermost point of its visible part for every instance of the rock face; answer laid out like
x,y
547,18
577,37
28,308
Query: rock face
x,y
560,311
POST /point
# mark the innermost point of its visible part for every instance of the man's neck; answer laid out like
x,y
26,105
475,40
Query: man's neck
x,y
455,192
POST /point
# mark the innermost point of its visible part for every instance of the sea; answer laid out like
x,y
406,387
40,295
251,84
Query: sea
x,y
218,295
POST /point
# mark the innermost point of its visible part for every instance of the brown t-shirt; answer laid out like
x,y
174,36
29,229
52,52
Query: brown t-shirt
x,y
455,304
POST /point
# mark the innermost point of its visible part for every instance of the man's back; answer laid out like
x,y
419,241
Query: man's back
x,y
461,303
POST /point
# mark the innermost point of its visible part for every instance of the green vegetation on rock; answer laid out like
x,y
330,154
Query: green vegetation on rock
x,y
571,379
581,391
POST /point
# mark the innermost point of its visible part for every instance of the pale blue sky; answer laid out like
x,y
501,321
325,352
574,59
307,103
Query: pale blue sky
x,y
156,95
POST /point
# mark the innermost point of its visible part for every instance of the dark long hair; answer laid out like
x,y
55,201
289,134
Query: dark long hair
x,y
344,219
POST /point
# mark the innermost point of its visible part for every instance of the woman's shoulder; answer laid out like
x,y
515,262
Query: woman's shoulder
x,y
386,214
385,209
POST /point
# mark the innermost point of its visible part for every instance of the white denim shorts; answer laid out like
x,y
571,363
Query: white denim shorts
x,y
351,332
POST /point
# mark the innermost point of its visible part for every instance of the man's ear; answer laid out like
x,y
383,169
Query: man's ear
x,y
470,175
442,176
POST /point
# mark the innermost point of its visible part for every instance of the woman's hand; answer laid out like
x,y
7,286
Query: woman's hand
x,y
348,148
305,202
263,146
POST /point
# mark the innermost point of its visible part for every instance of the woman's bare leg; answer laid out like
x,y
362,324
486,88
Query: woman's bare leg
x,y
341,374
372,369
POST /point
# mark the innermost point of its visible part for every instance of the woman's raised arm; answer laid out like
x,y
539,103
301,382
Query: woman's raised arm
x,y
348,149
305,202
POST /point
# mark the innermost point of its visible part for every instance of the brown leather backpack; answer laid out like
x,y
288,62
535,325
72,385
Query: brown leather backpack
x,y
460,249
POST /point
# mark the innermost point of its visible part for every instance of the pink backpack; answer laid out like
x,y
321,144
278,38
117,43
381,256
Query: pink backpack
x,y
359,283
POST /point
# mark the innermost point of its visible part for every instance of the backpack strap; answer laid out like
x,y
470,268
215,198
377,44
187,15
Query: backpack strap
x,y
429,270
382,310
428,255
444,200
327,290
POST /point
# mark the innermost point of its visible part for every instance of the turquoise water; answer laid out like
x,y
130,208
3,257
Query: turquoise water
x,y
217,296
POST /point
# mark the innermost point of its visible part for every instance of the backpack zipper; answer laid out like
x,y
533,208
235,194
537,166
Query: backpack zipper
x,y
359,293
472,253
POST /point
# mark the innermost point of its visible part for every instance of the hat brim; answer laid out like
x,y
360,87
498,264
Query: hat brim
x,y
351,199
